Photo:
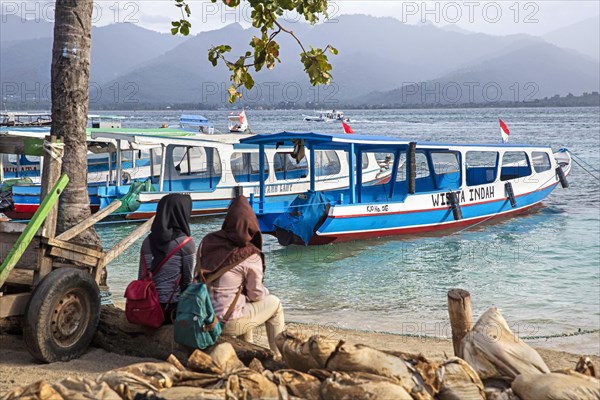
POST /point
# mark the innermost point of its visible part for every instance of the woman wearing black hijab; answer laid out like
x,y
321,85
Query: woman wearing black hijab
x,y
169,230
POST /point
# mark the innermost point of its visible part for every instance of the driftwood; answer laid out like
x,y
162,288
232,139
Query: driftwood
x,y
117,335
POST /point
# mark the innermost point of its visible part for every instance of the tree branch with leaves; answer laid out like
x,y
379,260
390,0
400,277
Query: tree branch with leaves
x,y
265,49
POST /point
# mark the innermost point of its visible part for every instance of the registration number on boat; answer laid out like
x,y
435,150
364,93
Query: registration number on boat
x,y
378,208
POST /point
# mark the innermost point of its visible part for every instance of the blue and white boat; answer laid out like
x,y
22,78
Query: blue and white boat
x,y
432,187
213,169
103,159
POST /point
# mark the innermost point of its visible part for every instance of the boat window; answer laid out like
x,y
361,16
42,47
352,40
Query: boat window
x,y
482,167
446,167
445,162
245,167
422,165
515,164
286,167
365,160
401,177
156,160
327,162
198,161
541,161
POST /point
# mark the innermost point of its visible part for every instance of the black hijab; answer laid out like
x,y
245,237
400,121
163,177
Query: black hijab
x,y
171,221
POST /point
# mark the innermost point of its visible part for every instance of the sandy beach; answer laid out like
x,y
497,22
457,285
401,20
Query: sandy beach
x,y
18,368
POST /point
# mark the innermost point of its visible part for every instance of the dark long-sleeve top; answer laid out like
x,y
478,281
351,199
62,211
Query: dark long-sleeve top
x,y
181,262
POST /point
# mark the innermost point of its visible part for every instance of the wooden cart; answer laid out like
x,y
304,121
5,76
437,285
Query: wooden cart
x,y
47,279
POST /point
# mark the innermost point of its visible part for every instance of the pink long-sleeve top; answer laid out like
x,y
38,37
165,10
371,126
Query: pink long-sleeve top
x,y
223,290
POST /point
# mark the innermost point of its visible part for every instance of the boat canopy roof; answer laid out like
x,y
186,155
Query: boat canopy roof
x,y
366,142
167,137
193,119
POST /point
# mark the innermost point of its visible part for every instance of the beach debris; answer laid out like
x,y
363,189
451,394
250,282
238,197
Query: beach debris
x,y
586,367
556,386
495,352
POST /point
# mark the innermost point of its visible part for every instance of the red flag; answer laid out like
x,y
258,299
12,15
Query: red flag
x,y
347,128
504,131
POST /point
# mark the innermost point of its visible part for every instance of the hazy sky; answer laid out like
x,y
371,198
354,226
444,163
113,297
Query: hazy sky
x,y
494,17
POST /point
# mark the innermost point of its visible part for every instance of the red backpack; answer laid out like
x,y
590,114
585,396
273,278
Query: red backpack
x,y
142,306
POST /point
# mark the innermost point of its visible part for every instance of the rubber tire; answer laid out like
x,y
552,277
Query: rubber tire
x,y
38,314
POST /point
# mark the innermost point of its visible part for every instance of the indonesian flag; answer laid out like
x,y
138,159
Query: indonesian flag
x,y
347,128
243,117
504,131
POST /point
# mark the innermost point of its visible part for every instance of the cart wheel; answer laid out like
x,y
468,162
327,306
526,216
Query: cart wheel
x,y
62,315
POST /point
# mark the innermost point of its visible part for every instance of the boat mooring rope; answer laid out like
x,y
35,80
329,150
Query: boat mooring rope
x,y
574,158
333,327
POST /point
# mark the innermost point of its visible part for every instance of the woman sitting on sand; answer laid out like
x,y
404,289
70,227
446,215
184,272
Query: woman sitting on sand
x,y
237,247
169,230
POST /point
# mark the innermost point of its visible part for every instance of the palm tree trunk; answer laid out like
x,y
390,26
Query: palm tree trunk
x,y
70,85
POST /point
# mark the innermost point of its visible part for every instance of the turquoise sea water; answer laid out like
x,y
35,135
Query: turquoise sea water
x,y
541,269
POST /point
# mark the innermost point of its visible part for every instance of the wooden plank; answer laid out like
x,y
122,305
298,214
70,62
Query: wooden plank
x,y
12,227
32,227
50,174
74,256
13,304
128,241
76,248
29,259
82,226
20,277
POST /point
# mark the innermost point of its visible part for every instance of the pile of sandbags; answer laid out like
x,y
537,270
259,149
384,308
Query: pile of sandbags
x,y
510,369
362,372
496,365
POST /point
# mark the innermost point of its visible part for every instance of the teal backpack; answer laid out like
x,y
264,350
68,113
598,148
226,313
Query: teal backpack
x,y
196,324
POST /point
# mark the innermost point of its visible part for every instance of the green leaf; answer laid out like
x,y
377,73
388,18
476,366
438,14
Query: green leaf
x,y
174,31
175,23
333,50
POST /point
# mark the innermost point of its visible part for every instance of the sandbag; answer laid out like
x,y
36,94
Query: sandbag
x,y
224,371
225,358
83,389
302,353
460,381
66,389
361,358
298,383
495,352
40,390
361,385
192,393
556,386
249,384
141,379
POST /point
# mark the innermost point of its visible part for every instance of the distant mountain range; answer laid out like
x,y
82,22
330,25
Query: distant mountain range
x,y
381,62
